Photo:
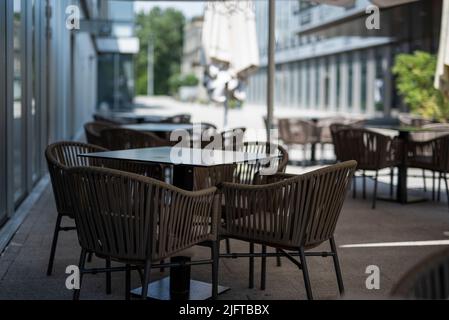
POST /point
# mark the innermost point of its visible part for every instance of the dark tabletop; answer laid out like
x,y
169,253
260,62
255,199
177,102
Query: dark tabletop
x,y
158,127
181,156
133,116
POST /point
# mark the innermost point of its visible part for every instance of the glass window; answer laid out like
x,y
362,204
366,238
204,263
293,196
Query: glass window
x,y
317,83
363,88
338,83
18,114
2,114
379,82
350,80
327,87
34,125
307,84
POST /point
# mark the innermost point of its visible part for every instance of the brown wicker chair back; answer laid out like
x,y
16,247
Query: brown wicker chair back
x,y
93,130
133,218
297,131
371,150
179,118
122,139
428,280
247,172
295,211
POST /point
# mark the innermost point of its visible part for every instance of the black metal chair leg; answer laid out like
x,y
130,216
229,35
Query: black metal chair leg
x,y
305,273
108,277
376,179
162,269
53,245
89,257
81,264
424,179
439,188
251,266
433,185
228,245
263,273
447,188
341,287
391,182
128,282
364,185
278,258
146,280
354,187
215,265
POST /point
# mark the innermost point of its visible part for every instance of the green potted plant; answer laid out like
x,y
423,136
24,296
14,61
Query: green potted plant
x,y
415,76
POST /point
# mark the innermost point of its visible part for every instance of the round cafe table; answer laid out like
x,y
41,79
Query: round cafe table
x,y
403,134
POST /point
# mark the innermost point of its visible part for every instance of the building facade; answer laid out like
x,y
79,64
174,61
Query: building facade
x,y
192,58
328,60
48,88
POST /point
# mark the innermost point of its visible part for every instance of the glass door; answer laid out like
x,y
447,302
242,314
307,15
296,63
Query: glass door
x,y
2,112
19,110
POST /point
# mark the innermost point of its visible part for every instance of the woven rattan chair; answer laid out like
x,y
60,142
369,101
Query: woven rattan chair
x,y
99,118
138,221
297,132
290,213
123,139
232,139
243,173
431,155
429,280
63,155
408,120
179,118
372,151
92,130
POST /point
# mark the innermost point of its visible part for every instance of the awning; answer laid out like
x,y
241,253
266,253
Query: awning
x,y
118,45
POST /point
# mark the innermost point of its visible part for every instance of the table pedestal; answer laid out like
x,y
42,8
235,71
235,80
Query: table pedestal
x,y
178,286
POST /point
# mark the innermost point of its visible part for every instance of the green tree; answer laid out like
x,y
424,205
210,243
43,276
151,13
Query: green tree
x,y
165,29
415,75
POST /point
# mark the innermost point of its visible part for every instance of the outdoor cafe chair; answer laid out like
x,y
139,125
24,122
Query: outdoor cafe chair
x,y
123,139
292,213
138,221
92,131
242,173
179,118
428,280
99,118
298,132
325,132
372,151
63,155
431,155
232,139
408,120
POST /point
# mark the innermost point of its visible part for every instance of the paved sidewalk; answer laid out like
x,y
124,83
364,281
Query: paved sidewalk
x,y
23,264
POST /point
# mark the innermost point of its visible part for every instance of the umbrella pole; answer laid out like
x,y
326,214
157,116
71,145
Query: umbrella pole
x,y
226,108
271,65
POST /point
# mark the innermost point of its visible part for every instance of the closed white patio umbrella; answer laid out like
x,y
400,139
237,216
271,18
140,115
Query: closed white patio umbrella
x,y
442,72
230,47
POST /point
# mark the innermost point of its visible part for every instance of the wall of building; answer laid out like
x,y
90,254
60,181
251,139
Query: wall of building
x,y
47,90
327,60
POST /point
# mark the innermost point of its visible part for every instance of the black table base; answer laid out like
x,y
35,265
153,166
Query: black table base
x,y
178,286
